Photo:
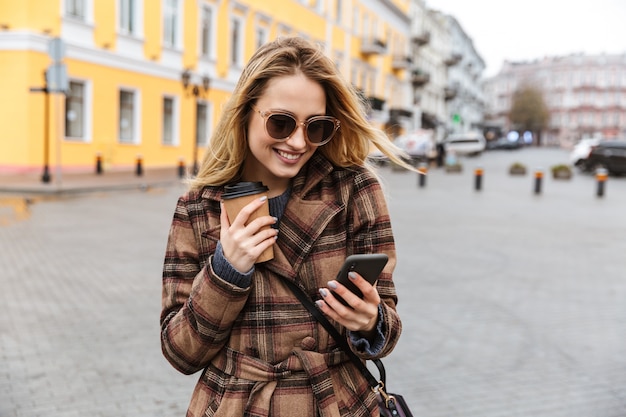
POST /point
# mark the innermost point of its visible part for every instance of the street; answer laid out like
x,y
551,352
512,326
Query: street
x,y
513,303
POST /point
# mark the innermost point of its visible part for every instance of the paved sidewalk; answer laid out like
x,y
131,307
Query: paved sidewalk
x,y
30,184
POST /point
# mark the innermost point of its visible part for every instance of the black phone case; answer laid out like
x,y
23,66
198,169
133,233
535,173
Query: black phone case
x,y
369,266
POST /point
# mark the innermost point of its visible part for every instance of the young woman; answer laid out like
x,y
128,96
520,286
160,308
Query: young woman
x,y
294,124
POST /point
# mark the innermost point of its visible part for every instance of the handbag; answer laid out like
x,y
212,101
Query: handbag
x,y
390,405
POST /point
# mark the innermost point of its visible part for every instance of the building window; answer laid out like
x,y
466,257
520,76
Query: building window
x,y
202,123
168,121
206,27
365,28
75,9
236,43
75,111
356,19
127,120
262,36
338,11
170,23
127,16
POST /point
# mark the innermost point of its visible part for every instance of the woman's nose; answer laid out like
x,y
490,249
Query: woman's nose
x,y
297,139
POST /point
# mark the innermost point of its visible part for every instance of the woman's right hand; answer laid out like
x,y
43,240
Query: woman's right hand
x,y
243,244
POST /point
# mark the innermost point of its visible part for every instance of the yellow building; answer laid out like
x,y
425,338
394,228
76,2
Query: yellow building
x,y
145,78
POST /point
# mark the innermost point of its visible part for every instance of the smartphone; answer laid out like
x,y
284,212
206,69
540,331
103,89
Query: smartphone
x,y
369,266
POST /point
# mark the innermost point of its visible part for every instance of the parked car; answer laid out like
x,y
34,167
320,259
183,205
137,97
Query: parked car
x,y
581,150
504,143
419,145
608,154
470,143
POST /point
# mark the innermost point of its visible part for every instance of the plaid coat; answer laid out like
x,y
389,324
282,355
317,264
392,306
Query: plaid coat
x,y
260,351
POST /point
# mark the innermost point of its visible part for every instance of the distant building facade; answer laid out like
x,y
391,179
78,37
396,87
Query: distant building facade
x,y
464,93
447,74
585,95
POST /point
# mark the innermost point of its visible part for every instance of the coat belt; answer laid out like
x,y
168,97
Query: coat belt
x,y
314,364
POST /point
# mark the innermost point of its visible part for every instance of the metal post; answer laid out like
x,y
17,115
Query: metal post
x,y
45,177
538,180
478,181
601,177
181,168
139,169
197,90
98,163
422,170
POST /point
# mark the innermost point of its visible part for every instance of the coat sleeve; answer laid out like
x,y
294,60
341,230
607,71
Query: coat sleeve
x,y
371,232
198,307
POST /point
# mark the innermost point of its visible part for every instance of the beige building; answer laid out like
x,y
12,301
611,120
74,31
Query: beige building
x,y
585,95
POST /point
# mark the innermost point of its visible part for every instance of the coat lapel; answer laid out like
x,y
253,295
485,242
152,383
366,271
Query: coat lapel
x,y
301,226
306,216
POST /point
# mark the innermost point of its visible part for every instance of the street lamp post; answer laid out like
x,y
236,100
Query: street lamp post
x,y
197,90
45,177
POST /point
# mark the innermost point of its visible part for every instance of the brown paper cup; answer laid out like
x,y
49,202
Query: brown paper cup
x,y
233,207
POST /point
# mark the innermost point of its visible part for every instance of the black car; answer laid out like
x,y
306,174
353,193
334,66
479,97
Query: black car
x,y
504,143
609,154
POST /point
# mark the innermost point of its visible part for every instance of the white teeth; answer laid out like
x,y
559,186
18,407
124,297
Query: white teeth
x,y
290,156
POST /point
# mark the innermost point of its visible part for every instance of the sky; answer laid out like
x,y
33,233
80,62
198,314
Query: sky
x,y
522,30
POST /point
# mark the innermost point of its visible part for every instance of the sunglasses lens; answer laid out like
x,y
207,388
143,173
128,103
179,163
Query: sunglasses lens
x,y
280,126
320,130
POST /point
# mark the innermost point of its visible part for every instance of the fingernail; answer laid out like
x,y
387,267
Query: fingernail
x,y
263,198
332,284
275,219
319,303
352,275
323,292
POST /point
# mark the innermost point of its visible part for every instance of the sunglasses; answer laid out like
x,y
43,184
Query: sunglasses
x,y
318,130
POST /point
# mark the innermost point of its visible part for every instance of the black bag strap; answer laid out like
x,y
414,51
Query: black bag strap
x,y
389,401
341,341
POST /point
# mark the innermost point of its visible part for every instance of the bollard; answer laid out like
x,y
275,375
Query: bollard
x,y
98,163
478,179
139,169
181,168
601,177
422,170
538,179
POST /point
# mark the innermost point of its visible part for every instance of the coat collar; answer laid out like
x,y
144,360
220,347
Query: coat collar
x,y
309,176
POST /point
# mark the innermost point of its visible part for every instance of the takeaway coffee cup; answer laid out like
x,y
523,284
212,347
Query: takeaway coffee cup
x,y
237,196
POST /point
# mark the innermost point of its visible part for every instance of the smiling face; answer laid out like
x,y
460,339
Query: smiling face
x,y
274,162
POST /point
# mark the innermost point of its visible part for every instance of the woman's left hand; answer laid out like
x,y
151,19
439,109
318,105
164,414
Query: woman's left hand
x,y
362,313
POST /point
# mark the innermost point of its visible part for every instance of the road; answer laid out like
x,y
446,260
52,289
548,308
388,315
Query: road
x,y
512,302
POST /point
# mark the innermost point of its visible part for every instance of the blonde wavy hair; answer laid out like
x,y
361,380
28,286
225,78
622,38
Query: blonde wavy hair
x,y
228,147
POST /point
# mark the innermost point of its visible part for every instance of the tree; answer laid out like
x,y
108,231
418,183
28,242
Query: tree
x,y
529,111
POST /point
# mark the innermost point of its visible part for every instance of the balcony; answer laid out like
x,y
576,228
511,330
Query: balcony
x,y
398,112
450,92
373,47
419,78
376,103
401,62
453,59
421,39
